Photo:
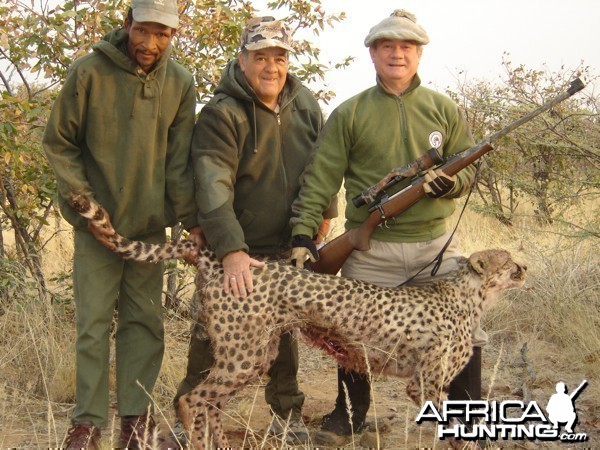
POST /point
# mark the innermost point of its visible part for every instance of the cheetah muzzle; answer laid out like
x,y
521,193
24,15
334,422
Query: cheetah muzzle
x,y
422,333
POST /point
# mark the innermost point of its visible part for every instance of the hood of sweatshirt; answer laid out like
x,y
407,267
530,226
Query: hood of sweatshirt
x,y
122,136
234,84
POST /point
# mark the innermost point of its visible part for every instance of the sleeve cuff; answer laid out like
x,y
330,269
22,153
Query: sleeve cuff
x,y
303,229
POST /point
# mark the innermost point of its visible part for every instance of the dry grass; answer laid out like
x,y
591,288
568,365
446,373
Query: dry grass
x,y
547,332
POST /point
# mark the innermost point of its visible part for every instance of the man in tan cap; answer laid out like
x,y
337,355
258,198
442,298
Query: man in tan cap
x,y
389,125
251,143
120,133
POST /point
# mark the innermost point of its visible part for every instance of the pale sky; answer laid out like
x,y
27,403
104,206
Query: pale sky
x,y
469,36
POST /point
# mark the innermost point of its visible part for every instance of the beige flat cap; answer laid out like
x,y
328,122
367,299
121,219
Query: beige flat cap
x,y
401,25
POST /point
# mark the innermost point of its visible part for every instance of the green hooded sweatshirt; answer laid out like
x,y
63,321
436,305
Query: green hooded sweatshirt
x,y
369,135
122,137
248,160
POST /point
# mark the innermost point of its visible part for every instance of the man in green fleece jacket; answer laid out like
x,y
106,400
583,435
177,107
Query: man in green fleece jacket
x,y
120,133
389,125
250,145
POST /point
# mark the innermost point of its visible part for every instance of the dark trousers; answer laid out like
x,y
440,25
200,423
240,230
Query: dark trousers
x,y
101,280
465,386
355,387
281,393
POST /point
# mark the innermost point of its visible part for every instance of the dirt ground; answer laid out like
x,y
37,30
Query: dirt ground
x,y
30,420
32,424
391,418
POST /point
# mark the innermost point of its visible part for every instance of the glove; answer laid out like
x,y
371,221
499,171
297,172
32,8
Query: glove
x,y
304,248
437,184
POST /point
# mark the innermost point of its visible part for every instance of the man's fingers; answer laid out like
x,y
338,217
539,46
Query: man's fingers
x,y
191,257
240,290
297,262
246,285
197,235
230,284
437,183
256,263
238,284
226,284
107,243
300,255
102,235
428,177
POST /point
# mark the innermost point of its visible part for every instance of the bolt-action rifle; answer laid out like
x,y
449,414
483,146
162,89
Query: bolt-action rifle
x,y
383,207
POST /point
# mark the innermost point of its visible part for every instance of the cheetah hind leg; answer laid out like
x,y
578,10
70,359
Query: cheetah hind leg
x,y
201,416
195,421
200,410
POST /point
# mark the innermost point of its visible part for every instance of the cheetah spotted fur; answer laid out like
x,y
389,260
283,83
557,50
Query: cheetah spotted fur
x,y
422,333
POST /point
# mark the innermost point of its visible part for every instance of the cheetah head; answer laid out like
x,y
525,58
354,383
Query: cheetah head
x,y
497,270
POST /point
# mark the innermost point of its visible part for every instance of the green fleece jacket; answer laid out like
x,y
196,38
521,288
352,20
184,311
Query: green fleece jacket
x,y
365,138
122,137
248,160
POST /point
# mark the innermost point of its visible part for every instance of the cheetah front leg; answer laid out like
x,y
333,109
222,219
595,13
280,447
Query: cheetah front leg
x,y
428,384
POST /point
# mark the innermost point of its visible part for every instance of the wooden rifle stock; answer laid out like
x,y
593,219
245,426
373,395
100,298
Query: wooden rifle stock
x,y
333,255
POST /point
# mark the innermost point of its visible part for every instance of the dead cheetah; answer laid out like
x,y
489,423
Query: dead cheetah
x,y
422,333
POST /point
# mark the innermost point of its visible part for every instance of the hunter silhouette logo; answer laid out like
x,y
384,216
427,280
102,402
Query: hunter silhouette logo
x,y
561,406
508,419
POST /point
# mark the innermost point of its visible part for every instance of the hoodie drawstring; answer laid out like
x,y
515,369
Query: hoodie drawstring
x,y
255,129
146,91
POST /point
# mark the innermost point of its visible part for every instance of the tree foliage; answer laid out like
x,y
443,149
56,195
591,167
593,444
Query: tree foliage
x,y
550,162
40,39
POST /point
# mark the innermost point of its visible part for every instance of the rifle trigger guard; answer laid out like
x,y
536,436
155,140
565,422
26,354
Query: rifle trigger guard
x,y
384,219
385,223
381,211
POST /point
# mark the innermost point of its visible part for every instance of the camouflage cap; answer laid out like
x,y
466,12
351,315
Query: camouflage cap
x,y
263,32
401,25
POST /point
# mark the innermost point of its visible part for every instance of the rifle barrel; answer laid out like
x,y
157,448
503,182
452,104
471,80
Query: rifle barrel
x,y
576,86
429,159
334,254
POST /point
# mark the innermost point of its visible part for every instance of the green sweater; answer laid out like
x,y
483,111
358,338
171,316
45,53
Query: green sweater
x,y
248,160
365,138
122,137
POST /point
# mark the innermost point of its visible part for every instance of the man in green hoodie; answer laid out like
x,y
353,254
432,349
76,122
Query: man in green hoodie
x,y
120,132
251,143
386,126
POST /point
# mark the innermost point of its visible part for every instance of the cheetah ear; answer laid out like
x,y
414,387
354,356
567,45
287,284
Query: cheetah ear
x,y
477,263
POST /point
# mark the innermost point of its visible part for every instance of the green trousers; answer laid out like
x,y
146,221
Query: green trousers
x,y
101,281
281,393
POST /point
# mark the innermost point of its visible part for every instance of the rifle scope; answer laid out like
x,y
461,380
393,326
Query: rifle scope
x,y
433,156
424,162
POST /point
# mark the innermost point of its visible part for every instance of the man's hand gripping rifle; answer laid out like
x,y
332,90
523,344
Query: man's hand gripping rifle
x,y
383,207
